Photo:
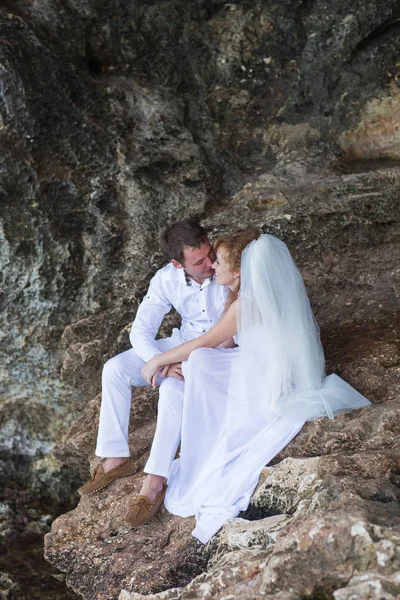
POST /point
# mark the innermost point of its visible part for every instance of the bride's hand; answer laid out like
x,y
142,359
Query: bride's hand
x,y
150,371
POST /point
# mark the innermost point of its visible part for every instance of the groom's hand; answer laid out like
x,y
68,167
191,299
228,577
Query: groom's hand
x,y
174,370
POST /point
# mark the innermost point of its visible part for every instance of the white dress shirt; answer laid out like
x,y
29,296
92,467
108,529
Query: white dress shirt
x,y
200,306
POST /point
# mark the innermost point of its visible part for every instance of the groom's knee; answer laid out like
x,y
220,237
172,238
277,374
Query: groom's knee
x,y
112,368
171,386
171,393
123,368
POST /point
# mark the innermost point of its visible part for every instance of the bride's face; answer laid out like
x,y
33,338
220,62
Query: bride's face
x,y
223,274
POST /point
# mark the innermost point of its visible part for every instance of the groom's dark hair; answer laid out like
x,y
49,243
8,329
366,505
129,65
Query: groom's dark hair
x,y
183,234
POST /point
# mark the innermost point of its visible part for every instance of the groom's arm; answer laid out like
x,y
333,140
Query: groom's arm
x,y
148,319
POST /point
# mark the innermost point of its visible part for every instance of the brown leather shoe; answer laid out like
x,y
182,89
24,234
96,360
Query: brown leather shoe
x,y
142,509
100,479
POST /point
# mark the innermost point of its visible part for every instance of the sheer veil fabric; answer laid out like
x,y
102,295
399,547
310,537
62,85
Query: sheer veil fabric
x,y
283,360
242,406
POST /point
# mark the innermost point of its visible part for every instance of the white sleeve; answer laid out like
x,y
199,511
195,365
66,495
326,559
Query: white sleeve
x,y
154,306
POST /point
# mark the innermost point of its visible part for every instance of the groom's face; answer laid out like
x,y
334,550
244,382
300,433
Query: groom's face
x,y
197,262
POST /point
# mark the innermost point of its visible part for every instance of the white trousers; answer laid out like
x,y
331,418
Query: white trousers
x,y
120,373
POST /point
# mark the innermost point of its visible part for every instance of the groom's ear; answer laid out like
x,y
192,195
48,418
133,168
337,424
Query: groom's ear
x,y
176,264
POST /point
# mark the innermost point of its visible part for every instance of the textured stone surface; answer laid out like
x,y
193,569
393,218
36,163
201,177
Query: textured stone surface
x,y
339,477
116,118
371,586
377,135
32,494
103,556
342,472
342,531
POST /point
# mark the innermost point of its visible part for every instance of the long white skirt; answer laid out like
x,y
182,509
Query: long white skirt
x,y
215,476
227,439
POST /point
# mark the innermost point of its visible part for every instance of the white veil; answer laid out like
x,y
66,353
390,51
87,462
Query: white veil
x,y
282,367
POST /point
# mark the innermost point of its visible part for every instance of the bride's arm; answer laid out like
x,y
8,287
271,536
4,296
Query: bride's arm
x,y
228,344
225,328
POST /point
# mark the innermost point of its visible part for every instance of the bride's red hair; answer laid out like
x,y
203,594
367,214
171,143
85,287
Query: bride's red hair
x,y
232,246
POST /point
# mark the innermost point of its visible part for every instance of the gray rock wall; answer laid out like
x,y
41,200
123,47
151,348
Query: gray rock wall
x,y
120,117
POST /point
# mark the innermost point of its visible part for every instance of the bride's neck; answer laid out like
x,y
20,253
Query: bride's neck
x,y
234,287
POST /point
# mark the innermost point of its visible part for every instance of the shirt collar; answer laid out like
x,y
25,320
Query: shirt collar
x,y
189,280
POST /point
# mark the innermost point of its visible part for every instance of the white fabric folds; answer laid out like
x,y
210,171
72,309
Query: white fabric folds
x,y
243,406
283,365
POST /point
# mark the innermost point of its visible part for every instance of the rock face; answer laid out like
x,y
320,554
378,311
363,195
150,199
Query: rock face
x,y
117,118
324,522
337,533
114,123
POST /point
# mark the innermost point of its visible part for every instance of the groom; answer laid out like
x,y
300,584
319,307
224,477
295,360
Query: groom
x,y
187,284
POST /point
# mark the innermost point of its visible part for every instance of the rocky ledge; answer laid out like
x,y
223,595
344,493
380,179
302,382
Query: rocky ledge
x,y
324,522
325,526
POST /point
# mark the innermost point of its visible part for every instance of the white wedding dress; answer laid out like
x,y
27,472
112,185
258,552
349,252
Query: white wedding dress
x,y
243,405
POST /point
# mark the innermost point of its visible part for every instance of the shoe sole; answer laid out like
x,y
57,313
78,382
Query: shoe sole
x,y
97,490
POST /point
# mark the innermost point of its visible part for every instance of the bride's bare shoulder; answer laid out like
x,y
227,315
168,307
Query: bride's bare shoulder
x,y
232,307
231,312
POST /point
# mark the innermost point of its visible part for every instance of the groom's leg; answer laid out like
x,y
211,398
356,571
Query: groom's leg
x,y
165,444
120,373
168,432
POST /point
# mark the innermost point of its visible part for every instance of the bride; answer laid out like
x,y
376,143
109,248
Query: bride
x,y
251,382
